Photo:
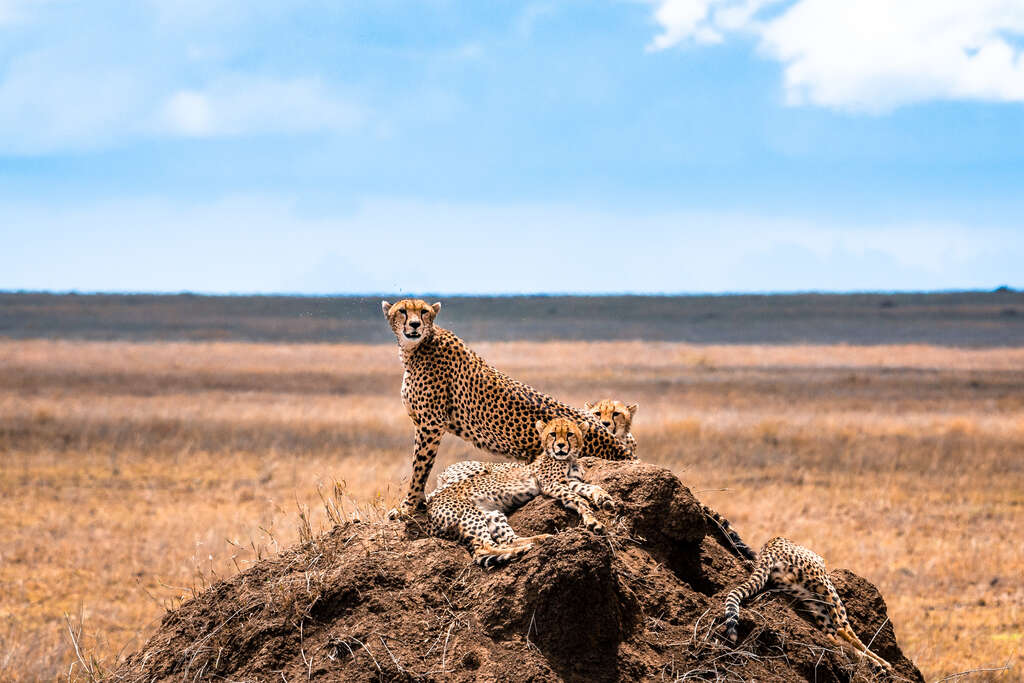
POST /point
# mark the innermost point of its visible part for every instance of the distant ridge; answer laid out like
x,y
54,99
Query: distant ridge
x,y
975,319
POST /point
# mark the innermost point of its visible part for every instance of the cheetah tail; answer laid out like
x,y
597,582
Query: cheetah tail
x,y
746,590
726,528
488,556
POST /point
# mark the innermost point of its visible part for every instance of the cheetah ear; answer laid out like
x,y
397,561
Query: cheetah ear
x,y
541,424
437,307
585,427
588,405
632,409
385,306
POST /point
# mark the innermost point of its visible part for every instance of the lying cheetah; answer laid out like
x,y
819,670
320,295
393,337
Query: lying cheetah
x,y
802,574
449,388
473,509
470,468
621,416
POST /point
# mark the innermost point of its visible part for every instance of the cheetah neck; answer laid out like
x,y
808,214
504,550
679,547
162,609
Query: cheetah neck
x,y
425,347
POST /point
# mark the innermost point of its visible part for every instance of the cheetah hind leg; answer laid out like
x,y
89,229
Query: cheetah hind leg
x,y
829,620
473,529
505,535
489,556
841,638
837,614
876,662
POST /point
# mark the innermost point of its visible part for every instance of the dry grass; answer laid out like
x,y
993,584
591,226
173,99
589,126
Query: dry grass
x,y
134,473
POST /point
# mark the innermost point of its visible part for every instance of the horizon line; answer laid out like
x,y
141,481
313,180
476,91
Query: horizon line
x,y
494,295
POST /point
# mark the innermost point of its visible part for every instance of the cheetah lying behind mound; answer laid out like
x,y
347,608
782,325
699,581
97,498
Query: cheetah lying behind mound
x,y
801,573
616,417
449,388
473,509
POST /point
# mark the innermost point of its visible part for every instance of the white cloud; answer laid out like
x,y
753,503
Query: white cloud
x,y
49,103
11,11
241,106
189,113
137,76
684,19
870,55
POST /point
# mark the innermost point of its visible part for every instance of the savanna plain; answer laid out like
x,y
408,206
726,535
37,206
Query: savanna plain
x,y
135,473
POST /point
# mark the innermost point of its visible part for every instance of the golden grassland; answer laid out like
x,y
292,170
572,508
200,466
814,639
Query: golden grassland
x,y
132,474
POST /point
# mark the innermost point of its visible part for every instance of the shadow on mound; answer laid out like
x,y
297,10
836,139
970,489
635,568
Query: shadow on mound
x,y
381,601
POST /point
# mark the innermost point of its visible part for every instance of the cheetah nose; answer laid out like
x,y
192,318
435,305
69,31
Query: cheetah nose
x,y
606,423
414,324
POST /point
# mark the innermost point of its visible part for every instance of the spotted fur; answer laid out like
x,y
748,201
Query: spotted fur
x,y
801,573
616,417
473,509
447,388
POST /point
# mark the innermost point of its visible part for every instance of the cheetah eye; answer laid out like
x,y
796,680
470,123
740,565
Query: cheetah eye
x,y
423,312
616,414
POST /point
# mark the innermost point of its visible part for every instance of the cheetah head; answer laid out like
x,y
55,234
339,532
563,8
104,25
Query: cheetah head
x,y
412,320
562,438
615,415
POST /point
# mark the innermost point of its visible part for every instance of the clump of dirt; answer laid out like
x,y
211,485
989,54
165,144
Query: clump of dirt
x,y
382,601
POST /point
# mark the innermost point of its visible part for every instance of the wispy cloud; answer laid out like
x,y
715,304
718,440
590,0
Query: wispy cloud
x,y
870,55
140,76
48,102
247,105
11,11
261,244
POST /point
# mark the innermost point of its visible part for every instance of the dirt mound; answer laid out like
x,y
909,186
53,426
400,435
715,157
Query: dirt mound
x,y
382,601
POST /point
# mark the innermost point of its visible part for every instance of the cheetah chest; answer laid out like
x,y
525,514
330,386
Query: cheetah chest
x,y
405,392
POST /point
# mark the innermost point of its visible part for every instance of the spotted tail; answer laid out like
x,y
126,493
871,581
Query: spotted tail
x,y
734,538
749,588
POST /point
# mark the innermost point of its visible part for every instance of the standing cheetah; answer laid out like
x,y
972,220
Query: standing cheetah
x,y
802,574
473,509
449,388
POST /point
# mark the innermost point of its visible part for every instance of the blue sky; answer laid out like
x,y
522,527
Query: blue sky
x,y
674,146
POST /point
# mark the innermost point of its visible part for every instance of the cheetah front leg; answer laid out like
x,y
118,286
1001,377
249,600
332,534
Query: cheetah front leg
x,y
575,502
428,438
595,494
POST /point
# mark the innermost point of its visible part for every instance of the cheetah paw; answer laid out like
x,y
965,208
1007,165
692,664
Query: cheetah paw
x,y
406,509
594,525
